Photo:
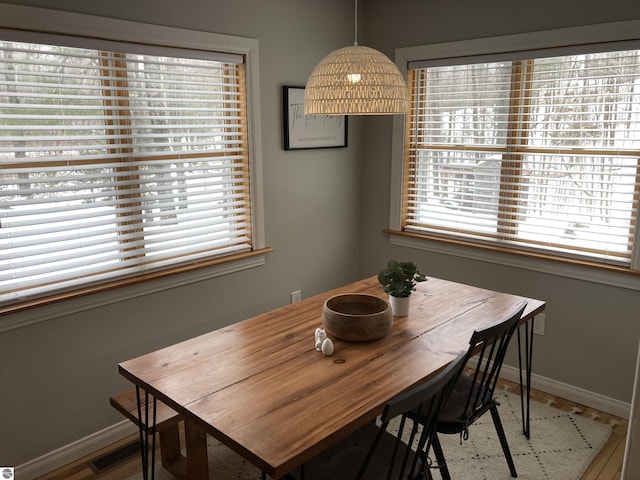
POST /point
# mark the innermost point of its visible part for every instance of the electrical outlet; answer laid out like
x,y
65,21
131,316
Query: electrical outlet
x,y
296,296
539,324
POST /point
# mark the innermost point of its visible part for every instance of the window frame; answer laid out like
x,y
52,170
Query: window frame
x,y
565,41
30,24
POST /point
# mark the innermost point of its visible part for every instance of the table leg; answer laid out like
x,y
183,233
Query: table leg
x,y
147,432
196,445
525,384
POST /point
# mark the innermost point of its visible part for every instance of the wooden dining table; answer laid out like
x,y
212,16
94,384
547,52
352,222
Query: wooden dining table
x,y
260,387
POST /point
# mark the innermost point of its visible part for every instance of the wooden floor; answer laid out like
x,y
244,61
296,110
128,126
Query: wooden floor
x,y
606,466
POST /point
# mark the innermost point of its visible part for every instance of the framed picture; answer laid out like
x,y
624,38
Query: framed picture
x,y
310,131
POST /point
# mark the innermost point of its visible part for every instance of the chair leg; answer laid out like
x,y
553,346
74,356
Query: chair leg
x,y
503,440
442,464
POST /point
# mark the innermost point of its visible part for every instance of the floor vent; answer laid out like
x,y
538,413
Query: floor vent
x,y
108,460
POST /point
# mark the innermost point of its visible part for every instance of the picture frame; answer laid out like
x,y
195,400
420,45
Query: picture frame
x,y
310,131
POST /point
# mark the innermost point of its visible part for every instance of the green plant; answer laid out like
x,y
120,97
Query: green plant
x,y
399,278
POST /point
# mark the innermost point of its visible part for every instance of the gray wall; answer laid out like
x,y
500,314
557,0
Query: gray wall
x,y
592,329
321,207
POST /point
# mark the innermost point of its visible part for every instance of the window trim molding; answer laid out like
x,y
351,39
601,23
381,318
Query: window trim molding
x,y
32,20
538,263
568,38
32,24
72,305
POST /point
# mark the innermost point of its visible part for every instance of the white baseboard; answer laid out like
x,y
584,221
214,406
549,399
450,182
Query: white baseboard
x,y
572,393
85,446
74,451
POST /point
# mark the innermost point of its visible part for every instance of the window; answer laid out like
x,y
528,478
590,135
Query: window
x,y
119,163
538,154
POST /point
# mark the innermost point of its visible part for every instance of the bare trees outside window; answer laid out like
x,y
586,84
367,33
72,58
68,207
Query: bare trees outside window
x,y
539,155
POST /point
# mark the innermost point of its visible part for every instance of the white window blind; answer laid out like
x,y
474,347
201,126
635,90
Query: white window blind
x,y
536,155
117,164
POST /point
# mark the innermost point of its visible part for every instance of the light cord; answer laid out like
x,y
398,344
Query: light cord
x,y
355,43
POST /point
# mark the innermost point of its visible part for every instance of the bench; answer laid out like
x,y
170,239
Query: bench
x,y
167,427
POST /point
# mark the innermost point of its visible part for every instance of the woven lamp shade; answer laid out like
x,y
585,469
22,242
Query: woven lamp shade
x,y
356,80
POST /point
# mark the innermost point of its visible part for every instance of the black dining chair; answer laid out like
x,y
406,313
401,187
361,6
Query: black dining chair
x,y
373,452
472,394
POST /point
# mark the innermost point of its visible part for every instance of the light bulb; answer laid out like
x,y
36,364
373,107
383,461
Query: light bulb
x,y
354,77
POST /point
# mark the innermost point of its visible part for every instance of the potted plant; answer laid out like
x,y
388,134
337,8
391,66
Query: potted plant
x,y
399,281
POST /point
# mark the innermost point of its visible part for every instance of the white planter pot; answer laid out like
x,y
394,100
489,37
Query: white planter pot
x,y
399,305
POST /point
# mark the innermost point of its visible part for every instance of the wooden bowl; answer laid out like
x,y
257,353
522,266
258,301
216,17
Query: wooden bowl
x,y
357,317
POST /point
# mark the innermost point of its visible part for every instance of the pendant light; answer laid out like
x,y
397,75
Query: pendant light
x,y
356,81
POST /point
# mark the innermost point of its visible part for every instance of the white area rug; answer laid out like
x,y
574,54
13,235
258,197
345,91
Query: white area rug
x,y
562,446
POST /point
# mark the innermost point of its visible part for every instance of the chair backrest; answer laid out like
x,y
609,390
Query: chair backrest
x,y
426,399
487,347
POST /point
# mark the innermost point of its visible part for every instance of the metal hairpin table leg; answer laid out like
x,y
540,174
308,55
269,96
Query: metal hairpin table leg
x,y
525,387
147,430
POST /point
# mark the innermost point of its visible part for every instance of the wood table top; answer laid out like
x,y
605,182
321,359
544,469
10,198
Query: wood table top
x,y
260,386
